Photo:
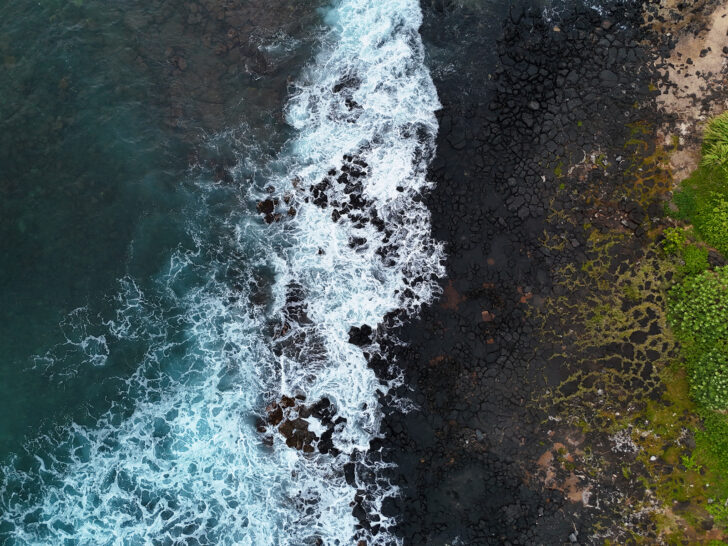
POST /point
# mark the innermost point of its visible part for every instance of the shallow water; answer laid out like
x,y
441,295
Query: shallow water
x,y
146,305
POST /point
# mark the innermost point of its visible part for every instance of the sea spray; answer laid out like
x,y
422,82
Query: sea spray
x,y
190,455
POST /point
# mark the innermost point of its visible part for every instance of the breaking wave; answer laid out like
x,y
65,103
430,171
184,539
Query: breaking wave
x,y
249,406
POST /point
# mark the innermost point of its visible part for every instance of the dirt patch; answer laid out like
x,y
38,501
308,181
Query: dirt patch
x,y
452,299
552,464
696,66
684,161
696,81
675,16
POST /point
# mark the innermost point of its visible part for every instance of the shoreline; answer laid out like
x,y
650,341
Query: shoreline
x,y
555,167
545,396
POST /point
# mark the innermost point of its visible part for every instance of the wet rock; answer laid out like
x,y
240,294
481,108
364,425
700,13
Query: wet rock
x,y
357,241
290,418
267,208
318,191
716,259
360,336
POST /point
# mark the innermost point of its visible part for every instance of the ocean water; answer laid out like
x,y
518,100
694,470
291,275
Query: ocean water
x,y
151,312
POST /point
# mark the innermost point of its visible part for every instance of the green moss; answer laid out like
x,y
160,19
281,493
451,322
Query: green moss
x,y
631,293
693,475
639,387
661,423
650,173
712,443
601,161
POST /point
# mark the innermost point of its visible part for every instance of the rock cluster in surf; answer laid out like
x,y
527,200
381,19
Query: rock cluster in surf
x,y
290,417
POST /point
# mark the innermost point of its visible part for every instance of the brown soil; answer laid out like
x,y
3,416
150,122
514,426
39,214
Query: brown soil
x,y
696,71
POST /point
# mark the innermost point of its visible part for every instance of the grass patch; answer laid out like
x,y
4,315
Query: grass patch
x,y
715,143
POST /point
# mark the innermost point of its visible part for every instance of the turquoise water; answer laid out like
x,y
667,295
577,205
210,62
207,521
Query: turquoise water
x,y
96,138
149,314
86,169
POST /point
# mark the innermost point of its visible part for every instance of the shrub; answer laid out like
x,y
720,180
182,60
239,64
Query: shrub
x,y
712,222
719,511
696,259
674,240
713,438
709,379
703,197
715,142
699,308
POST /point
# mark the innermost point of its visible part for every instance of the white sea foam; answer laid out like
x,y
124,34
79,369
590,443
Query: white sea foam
x,y
184,463
554,9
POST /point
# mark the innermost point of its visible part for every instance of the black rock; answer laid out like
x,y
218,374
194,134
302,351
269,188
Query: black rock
x,y
360,336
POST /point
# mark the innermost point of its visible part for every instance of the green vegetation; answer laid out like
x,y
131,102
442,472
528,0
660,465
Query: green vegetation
x,y
703,198
709,380
689,463
698,311
695,258
715,143
660,391
713,222
674,240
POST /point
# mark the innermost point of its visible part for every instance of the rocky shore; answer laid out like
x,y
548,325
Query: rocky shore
x,y
562,133
557,153
543,399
